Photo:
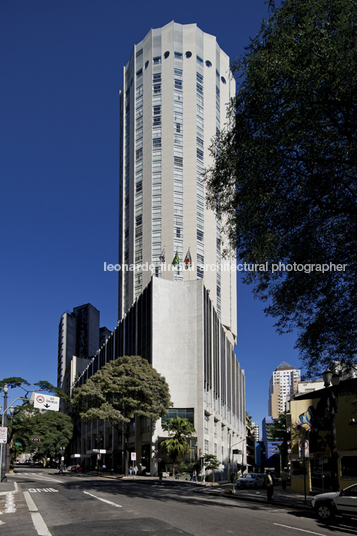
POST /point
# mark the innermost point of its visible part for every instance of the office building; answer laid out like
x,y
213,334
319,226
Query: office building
x,y
177,329
283,384
176,87
177,295
78,335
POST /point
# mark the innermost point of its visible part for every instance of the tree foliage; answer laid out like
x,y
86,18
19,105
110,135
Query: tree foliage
x,y
123,389
54,430
283,178
43,385
211,463
180,430
279,432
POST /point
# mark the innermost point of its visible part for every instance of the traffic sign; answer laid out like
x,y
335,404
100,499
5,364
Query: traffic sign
x,y
133,456
3,434
45,402
304,448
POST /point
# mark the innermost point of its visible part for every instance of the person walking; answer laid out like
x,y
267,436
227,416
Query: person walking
x,y
269,485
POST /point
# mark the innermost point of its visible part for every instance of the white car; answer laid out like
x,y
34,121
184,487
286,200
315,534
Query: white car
x,y
344,502
250,480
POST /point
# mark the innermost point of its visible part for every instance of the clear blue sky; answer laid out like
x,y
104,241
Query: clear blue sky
x,y
61,70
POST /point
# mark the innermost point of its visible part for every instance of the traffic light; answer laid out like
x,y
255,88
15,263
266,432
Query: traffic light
x,y
36,439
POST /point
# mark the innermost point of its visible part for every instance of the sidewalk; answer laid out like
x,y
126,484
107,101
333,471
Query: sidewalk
x,y
283,498
15,517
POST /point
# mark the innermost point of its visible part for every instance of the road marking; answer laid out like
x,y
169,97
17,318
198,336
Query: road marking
x,y
37,519
10,503
29,501
301,530
6,492
40,525
100,499
34,475
40,490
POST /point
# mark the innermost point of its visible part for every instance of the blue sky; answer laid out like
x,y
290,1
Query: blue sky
x,y
61,69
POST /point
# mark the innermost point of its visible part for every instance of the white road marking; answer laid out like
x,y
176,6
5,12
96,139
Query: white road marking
x,y
35,475
104,500
6,492
37,519
40,525
29,501
45,490
10,503
301,530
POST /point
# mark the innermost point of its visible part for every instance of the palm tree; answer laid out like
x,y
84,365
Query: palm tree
x,y
211,463
177,445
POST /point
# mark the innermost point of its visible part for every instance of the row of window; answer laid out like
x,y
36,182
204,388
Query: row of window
x,y
179,56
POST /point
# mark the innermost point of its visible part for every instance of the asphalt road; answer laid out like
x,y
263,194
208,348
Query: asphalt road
x,y
49,504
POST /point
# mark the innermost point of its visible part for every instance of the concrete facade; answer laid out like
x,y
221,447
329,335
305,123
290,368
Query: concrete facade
x,y
176,87
189,347
283,384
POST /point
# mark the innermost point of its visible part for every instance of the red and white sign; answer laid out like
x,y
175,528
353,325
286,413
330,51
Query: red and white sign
x,y
133,456
45,402
304,449
3,434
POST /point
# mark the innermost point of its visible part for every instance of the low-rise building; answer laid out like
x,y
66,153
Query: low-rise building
x,y
311,423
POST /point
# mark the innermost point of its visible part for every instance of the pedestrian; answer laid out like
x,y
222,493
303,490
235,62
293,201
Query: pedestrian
x,y
104,467
269,485
194,475
284,477
135,470
130,471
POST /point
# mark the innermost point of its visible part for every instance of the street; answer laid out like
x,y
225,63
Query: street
x,y
49,504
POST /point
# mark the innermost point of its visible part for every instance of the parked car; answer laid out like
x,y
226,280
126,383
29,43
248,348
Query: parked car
x,y
74,468
327,505
250,480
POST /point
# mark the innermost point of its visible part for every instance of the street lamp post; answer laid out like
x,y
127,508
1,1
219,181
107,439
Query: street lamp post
x,y
331,381
3,451
242,451
3,424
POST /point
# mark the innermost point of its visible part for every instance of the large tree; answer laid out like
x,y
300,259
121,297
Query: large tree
x,y
123,389
279,432
51,430
284,174
177,445
41,386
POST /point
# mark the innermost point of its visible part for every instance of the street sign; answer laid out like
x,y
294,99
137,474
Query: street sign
x,y
304,450
133,456
3,434
45,402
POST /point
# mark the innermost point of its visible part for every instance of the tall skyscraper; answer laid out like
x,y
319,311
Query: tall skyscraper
x,y
176,87
283,383
78,335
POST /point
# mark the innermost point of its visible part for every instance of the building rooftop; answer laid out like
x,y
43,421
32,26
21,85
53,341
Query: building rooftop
x,y
285,366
